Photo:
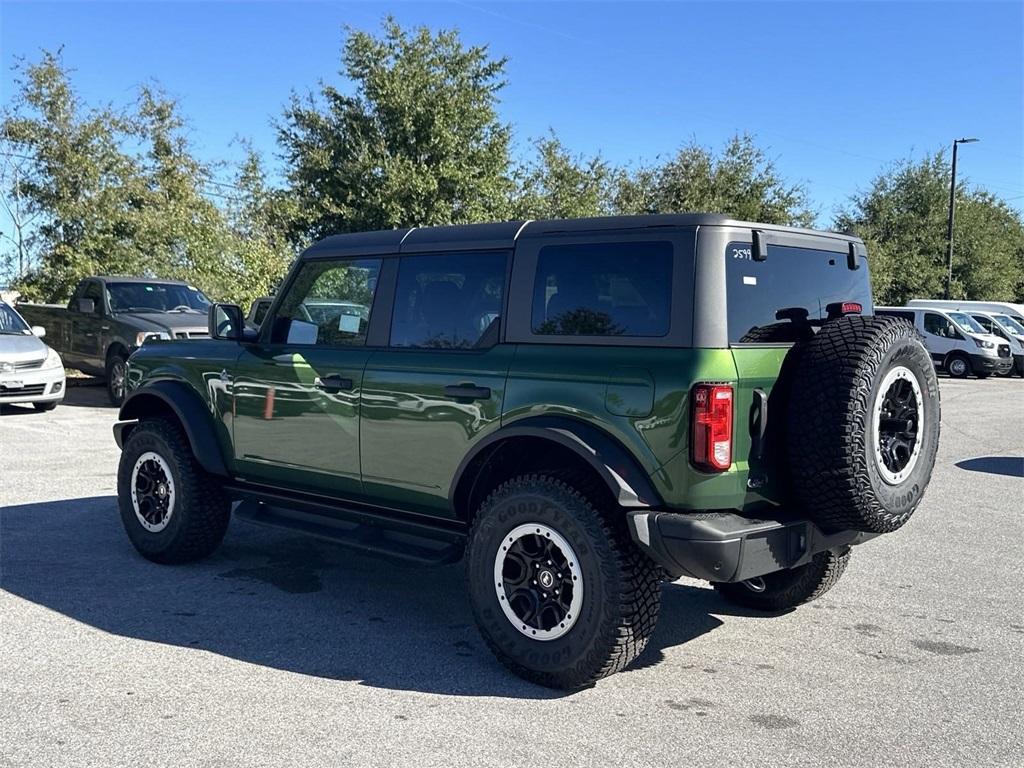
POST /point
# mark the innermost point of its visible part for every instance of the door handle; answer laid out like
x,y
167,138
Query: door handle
x,y
467,392
758,423
332,383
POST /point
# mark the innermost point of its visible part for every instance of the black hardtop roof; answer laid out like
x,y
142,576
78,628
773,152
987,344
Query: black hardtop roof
x,y
124,279
505,234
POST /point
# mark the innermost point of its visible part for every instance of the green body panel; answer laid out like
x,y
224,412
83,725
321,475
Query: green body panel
x,y
397,440
757,368
413,436
289,432
198,364
639,396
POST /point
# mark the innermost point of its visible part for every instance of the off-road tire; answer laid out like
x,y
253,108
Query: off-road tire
x,y
201,510
785,590
114,363
47,406
833,471
621,595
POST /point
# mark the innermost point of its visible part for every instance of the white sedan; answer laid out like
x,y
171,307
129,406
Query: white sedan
x,y
30,372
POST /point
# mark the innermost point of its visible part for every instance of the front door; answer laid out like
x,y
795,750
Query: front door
x,y
296,391
941,336
439,386
88,329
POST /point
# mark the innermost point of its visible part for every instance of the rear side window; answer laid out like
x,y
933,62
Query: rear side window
x,y
449,301
791,283
603,289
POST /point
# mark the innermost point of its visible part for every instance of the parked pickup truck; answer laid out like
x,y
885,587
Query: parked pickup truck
x,y
108,318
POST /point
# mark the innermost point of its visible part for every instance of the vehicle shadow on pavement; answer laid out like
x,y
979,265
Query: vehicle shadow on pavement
x,y
1011,466
282,601
86,393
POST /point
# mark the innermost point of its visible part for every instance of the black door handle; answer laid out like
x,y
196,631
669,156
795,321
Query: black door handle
x,y
758,424
332,383
467,392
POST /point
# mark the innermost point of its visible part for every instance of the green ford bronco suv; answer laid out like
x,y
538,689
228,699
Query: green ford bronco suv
x,y
580,408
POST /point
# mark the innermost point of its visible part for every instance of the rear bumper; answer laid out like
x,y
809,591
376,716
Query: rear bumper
x,y
986,364
722,546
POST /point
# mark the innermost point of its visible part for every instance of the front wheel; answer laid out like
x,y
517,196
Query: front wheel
x,y
172,510
560,593
785,590
958,366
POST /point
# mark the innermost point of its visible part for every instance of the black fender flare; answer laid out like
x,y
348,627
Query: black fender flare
x,y
621,472
189,409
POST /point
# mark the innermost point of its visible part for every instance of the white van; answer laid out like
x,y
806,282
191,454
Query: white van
x,y
1006,328
957,343
1016,311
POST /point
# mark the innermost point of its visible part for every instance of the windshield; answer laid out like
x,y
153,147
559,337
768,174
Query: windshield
x,y
156,297
11,322
1010,324
967,322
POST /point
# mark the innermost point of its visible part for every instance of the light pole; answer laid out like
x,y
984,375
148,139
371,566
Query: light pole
x,y
949,226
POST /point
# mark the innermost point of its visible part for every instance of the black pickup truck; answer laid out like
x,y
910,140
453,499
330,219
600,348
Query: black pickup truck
x,y
108,318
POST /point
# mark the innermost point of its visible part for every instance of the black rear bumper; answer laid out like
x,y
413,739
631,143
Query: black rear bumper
x,y
722,546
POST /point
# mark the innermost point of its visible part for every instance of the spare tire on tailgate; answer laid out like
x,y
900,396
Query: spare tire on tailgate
x,y
863,424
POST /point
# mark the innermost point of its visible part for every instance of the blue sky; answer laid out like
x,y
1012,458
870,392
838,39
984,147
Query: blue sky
x,y
833,91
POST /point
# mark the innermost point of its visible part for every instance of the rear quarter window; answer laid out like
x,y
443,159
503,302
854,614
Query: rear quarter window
x,y
789,282
603,289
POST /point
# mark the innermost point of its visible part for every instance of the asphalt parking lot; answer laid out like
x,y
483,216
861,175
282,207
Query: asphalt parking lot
x,y
281,650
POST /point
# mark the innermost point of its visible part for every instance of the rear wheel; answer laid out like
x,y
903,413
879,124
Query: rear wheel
x,y
560,593
117,378
172,511
785,590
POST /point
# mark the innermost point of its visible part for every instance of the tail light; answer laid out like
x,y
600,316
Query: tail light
x,y
711,447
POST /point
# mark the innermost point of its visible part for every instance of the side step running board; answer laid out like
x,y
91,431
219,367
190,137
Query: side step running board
x,y
414,544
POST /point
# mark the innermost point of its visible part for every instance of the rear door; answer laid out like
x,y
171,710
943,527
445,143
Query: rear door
x,y
766,301
296,391
438,387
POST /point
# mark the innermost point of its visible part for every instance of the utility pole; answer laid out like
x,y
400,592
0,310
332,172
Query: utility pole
x,y
949,226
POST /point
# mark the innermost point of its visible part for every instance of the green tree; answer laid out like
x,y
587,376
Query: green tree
x,y
557,185
740,181
97,190
182,232
76,182
902,218
257,217
416,141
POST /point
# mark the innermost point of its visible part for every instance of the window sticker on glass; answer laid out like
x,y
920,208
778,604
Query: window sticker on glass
x,y
301,332
749,280
348,323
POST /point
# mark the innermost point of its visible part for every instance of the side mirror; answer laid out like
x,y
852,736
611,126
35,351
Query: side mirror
x,y
225,321
87,306
38,331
